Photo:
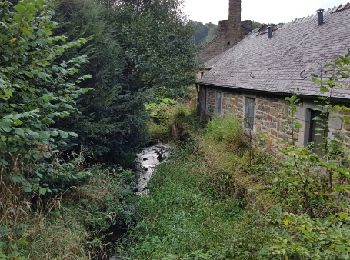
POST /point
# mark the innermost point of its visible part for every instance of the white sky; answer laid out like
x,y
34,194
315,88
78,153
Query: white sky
x,y
264,11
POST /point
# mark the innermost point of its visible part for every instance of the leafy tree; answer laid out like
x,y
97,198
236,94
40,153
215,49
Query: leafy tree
x,y
158,44
205,33
37,88
137,50
111,122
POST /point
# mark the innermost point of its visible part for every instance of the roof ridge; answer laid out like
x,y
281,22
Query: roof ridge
x,y
331,10
340,8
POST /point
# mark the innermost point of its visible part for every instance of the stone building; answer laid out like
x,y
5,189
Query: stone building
x,y
230,32
252,79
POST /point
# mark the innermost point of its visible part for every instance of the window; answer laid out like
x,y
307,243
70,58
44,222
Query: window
x,y
317,130
203,99
218,102
249,113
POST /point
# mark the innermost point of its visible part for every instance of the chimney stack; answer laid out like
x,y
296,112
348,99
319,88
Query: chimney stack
x,y
234,21
320,16
235,12
269,31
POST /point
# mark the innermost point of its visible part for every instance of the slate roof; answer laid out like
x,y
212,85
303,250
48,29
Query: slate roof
x,y
285,63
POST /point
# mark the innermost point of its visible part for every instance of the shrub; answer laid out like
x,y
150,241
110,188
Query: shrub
x,y
170,120
80,224
302,237
37,88
227,130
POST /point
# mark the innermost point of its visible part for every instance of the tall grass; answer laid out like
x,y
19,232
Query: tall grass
x,y
211,201
184,219
80,224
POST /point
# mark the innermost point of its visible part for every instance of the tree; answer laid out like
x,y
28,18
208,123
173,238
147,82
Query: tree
x,y
37,88
137,50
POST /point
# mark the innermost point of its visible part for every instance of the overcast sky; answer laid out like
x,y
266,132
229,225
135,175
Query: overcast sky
x,y
264,11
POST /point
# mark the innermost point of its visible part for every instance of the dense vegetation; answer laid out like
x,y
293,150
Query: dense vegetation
x,y
205,33
134,59
74,80
84,84
219,198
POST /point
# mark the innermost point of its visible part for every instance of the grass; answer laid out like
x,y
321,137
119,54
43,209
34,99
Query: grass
x,y
212,200
80,224
185,219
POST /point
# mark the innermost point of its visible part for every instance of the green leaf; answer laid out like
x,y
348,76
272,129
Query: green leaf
x,y
324,89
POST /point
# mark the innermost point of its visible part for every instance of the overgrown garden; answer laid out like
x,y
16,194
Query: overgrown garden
x,y
224,195
84,84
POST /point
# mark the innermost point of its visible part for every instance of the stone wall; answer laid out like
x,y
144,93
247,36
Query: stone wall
x,y
271,121
233,104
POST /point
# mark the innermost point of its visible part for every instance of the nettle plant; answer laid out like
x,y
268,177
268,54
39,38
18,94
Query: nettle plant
x,y
37,87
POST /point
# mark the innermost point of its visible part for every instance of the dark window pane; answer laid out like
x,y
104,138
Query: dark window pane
x,y
218,102
249,112
318,131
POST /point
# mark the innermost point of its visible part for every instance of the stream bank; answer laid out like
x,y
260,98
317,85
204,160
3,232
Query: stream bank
x,y
147,161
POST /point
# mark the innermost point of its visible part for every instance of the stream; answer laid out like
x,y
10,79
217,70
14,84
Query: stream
x,y
147,161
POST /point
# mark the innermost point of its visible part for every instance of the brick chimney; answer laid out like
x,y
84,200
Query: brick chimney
x,y
234,21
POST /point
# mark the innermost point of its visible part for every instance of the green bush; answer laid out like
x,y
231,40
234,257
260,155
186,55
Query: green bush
x,y
81,224
302,237
104,206
170,120
36,88
226,130
133,59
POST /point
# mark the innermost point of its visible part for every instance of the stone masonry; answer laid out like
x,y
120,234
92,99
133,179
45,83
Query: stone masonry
x,y
271,120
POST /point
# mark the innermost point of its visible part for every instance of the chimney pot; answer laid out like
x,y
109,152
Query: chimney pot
x,y
269,31
320,16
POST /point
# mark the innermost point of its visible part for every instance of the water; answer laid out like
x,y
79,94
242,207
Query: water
x,y
147,161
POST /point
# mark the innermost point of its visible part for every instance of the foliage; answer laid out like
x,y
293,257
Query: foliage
x,y
170,120
299,236
205,33
226,130
133,59
182,219
302,184
160,54
104,207
78,224
207,202
111,122
37,88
